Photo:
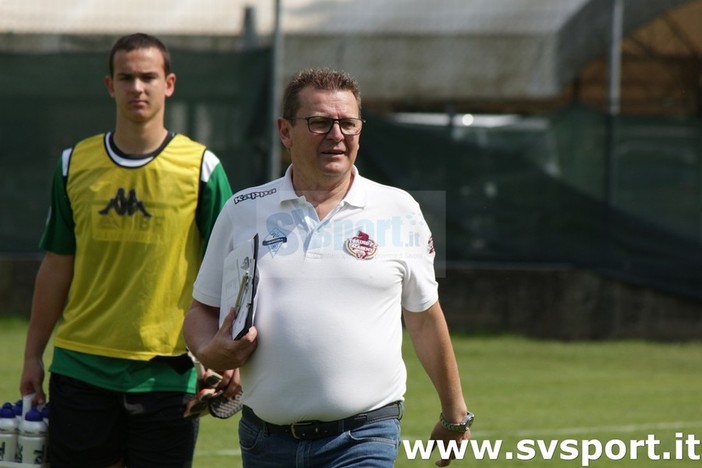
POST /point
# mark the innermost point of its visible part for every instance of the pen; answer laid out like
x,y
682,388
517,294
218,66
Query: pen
x,y
243,289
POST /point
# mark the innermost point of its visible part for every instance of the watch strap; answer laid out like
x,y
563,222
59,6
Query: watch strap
x,y
461,426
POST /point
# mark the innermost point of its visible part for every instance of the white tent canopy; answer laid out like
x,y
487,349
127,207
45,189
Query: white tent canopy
x,y
398,49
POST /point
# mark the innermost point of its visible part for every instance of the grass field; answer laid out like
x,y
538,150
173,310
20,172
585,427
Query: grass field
x,y
519,389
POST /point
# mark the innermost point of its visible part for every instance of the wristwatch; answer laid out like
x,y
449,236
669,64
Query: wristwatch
x,y
462,426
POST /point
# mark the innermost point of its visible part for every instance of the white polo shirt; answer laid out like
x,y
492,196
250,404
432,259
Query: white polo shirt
x,y
330,296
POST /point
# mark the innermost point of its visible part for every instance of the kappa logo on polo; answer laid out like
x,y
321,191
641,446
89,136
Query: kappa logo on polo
x,y
361,246
125,205
253,195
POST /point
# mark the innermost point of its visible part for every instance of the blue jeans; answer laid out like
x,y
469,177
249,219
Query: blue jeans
x,y
374,445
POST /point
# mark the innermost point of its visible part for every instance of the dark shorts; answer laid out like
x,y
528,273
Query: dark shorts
x,y
95,427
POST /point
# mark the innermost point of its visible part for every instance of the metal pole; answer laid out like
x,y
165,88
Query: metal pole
x,y
615,64
615,56
249,36
276,67
606,323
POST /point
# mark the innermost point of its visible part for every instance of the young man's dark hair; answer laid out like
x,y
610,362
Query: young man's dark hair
x,y
140,41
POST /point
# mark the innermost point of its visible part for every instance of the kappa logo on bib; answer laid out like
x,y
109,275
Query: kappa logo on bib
x,y
124,205
361,246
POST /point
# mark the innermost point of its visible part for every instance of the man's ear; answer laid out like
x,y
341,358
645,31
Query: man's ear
x,y
285,131
170,84
110,85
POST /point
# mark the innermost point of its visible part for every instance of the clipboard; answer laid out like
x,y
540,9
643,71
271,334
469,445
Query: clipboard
x,y
239,283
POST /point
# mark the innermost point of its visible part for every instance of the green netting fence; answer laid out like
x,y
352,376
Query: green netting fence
x,y
620,196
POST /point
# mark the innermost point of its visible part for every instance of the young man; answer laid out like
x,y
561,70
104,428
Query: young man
x,y
131,213
324,384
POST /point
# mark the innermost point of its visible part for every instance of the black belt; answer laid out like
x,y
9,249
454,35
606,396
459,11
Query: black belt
x,y
318,429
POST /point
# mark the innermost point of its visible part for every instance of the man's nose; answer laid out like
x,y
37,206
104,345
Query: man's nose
x,y
335,132
137,85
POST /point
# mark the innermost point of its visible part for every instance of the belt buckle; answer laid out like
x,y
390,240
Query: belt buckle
x,y
301,426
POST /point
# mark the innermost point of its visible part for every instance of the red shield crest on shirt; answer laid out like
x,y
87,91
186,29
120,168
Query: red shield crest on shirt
x,y
361,246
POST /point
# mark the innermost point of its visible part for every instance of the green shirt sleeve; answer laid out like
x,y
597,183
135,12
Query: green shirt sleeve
x,y
214,193
58,236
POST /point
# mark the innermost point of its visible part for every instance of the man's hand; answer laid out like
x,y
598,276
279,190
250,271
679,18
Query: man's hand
x,y
32,379
223,352
440,433
230,383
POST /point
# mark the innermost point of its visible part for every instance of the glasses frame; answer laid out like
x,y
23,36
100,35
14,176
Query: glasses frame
x,y
333,121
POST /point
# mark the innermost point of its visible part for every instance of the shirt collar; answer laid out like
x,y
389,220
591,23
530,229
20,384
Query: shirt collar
x,y
356,195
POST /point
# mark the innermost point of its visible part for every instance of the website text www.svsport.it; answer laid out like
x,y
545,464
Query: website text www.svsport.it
x,y
586,451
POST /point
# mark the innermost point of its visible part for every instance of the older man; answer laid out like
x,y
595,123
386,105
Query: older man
x,y
322,367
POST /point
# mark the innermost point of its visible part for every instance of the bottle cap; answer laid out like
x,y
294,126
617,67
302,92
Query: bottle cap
x,y
33,415
6,412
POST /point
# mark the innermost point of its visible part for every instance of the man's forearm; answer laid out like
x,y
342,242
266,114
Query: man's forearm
x,y
51,287
432,343
201,324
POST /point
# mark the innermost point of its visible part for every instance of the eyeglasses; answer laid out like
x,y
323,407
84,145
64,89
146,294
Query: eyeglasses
x,y
322,125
